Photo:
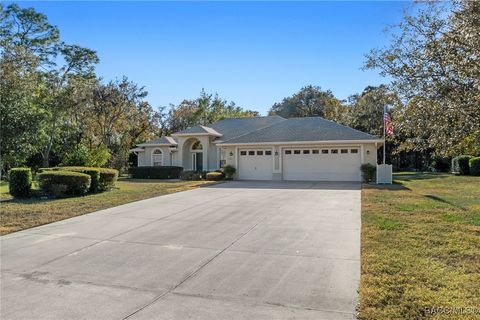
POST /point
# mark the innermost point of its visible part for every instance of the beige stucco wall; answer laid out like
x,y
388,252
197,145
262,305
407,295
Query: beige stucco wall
x,y
370,153
147,156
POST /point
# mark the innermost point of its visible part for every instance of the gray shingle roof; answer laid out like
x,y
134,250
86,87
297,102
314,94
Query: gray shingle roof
x,y
234,127
199,129
302,129
163,140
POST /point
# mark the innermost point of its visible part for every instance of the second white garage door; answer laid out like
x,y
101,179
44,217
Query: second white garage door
x,y
255,164
322,164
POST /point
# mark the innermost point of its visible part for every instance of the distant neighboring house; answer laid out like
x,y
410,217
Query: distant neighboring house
x,y
267,148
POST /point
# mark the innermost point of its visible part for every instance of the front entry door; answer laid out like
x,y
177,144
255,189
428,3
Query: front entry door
x,y
198,161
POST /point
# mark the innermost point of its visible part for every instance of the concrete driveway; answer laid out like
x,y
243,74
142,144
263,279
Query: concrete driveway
x,y
239,250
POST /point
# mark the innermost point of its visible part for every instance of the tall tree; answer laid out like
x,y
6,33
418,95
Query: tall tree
x,y
308,102
365,110
32,52
434,61
206,109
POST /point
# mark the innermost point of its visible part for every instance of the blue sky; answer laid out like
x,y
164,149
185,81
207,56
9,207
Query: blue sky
x,y
253,53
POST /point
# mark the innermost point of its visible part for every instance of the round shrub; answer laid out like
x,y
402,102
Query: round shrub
x,y
368,172
214,176
61,183
474,164
108,178
460,165
20,182
229,171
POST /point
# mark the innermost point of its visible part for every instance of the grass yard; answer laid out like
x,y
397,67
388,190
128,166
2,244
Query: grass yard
x,y
421,248
17,215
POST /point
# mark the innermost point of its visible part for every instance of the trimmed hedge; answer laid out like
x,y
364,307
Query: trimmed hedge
x,y
215,176
163,172
108,178
102,178
460,165
368,172
474,165
20,182
61,183
94,174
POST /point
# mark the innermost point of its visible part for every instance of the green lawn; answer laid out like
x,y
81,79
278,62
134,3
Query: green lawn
x,y
420,247
17,215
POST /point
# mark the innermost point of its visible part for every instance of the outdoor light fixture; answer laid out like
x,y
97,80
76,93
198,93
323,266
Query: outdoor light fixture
x,y
368,151
276,153
231,154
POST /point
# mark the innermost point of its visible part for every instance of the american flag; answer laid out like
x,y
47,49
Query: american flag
x,y
388,124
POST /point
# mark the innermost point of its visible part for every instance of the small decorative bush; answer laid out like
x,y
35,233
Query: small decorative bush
x,y
163,172
191,176
61,183
474,164
368,172
20,182
440,164
215,176
229,171
460,165
107,179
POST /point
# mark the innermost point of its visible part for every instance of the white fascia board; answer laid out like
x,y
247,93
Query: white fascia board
x,y
301,142
196,134
154,144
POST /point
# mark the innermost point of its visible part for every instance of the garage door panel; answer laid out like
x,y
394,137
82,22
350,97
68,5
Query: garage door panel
x,y
255,164
315,164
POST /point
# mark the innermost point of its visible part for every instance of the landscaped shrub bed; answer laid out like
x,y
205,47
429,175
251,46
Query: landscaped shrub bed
x,y
20,182
102,178
94,174
163,172
191,176
64,183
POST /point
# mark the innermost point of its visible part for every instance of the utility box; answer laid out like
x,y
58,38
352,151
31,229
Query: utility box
x,y
384,174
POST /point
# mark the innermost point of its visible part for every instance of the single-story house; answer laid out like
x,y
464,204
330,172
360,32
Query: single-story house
x,y
267,148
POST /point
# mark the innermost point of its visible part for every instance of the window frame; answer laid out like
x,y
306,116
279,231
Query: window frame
x,y
157,155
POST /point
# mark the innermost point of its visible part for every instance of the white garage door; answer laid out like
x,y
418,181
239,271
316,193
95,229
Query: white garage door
x,y
322,164
255,164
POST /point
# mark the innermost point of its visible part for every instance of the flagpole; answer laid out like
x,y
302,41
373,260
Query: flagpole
x,y
384,128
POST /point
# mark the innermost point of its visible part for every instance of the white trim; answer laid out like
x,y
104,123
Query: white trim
x,y
196,150
195,134
156,154
301,142
155,144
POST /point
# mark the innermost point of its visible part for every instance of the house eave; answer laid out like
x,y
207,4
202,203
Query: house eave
x,y
155,145
376,141
195,134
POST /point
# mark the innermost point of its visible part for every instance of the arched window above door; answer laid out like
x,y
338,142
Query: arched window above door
x,y
197,146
